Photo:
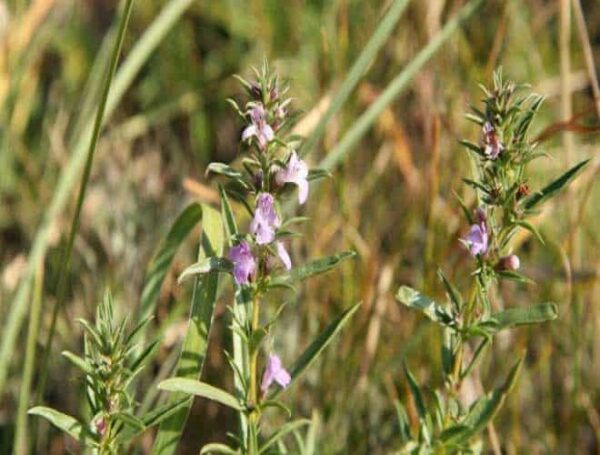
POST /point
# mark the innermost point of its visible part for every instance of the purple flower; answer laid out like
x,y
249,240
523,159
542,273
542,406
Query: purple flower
x,y
259,127
265,221
283,255
244,264
491,141
295,172
274,372
477,239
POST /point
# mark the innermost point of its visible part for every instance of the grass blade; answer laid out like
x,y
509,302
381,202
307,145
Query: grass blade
x,y
139,54
394,88
193,351
378,39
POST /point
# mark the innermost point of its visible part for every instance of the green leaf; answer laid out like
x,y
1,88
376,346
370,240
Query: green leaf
x,y
227,215
282,432
359,68
315,174
512,275
403,423
396,86
227,171
218,448
163,257
130,420
205,266
200,389
416,393
153,418
553,188
533,314
453,293
455,434
78,362
193,350
310,269
66,423
313,351
484,410
531,228
414,299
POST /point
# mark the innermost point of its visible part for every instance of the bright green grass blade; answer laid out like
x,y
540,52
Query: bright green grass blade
x,y
394,88
163,257
140,53
193,352
359,68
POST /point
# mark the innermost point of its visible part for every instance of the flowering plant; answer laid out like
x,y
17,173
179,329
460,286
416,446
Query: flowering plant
x,y
259,263
112,360
469,325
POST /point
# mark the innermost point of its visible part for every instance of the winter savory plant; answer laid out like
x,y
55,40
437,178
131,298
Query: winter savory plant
x,y
469,323
259,263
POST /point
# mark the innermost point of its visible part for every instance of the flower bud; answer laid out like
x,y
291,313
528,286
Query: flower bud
x,y
480,216
511,262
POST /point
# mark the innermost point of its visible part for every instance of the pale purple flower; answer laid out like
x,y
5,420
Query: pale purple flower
x,y
274,372
244,264
283,255
492,144
296,172
259,127
477,239
265,221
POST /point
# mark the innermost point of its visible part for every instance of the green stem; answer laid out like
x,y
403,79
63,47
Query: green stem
x,y
21,440
253,392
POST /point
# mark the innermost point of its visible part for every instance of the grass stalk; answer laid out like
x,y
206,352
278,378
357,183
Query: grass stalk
x,y
63,269
397,85
21,445
139,54
378,39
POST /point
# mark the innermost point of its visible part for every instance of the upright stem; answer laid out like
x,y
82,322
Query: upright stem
x,y
253,389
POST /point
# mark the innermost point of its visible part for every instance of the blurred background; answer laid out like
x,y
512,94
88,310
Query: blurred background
x,y
391,198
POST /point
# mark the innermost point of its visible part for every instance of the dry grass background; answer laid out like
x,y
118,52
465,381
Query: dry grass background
x,y
391,199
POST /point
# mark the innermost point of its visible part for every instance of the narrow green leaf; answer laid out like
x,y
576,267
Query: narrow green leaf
x,y
205,266
533,314
200,389
359,68
163,257
310,269
153,418
484,410
313,351
315,174
396,86
403,423
66,423
77,361
229,172
193,351
227,215
553,188
416,393
453,293
282,432
414,299
531,228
